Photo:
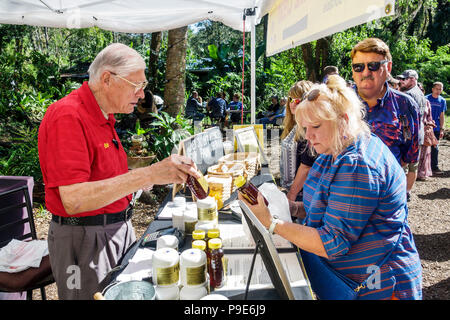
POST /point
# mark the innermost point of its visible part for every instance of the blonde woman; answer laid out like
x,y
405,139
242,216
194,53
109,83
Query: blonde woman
x,y
296,159
354,203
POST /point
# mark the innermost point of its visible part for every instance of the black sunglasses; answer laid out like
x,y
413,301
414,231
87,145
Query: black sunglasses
x,y
372,66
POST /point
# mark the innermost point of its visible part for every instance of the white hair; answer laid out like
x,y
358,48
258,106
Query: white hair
x,y
117,58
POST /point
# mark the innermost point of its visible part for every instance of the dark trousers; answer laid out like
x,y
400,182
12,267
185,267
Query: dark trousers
x,y
435,153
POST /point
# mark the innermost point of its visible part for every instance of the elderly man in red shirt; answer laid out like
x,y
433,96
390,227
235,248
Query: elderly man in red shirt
x,y
87,183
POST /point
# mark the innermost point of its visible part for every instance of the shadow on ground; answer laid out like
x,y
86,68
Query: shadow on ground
x,y
430,246
438,291
443,193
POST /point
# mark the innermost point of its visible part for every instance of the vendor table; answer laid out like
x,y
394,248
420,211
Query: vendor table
x,y
300,292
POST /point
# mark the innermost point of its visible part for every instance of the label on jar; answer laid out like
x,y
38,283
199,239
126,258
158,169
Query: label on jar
x,y
196,275
189,226
207,214
168,276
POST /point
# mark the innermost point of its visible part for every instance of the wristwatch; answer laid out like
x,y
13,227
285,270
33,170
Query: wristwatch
x,y
274,223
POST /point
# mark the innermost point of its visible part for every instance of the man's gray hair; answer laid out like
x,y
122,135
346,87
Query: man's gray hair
x,y
117,58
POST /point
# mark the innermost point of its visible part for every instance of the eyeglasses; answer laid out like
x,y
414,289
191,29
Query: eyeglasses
x,y
137,86
295,100
372,66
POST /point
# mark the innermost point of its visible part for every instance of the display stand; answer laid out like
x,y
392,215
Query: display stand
x,y
248,141
272,260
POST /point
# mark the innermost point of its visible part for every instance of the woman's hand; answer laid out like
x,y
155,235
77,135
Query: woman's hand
x,y
260,210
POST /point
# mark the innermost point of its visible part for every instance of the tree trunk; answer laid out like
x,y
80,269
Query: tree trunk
x,y
175,70
308,58
155,47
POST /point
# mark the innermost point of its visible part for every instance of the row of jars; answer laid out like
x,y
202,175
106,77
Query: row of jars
x,y
196,270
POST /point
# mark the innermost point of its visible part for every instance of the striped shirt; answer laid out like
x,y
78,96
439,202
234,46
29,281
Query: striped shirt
x,y
358,205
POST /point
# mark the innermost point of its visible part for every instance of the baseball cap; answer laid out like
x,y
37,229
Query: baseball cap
x,y
400,77
410,74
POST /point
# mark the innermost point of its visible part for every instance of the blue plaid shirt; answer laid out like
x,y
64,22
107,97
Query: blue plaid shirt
x,y
395,120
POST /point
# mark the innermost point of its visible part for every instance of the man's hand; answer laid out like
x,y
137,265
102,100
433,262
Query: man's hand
x,y
173,169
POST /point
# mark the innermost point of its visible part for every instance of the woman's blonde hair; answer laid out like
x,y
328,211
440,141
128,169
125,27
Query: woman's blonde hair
x,y
335,102
296,91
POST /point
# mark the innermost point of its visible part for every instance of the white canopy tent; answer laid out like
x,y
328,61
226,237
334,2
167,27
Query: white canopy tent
x,y
288,19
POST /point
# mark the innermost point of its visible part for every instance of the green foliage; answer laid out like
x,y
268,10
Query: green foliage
x,y
23,158
167,132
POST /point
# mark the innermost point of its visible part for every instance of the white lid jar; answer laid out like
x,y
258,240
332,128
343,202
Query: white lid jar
x,y
189,293
167,241
166,267
193,268
207,210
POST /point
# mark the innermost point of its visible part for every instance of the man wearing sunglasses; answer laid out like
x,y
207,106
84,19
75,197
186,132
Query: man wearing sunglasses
x,y
392,115
88,187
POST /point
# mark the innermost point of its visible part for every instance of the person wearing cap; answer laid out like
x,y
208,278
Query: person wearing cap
x,y
394,83
88,187
409,86
392,115
438,108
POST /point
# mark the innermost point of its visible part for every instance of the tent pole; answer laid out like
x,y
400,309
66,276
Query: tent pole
x,y
252,69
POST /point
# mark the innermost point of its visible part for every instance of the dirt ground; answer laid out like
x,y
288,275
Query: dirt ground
x,y
429,219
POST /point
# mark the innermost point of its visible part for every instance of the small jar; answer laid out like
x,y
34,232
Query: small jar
x,y
178,206
190,219
167,241
165,267
199,244
215,267
199,187
248,190
178,219
193,268
207,210
213,233
198,234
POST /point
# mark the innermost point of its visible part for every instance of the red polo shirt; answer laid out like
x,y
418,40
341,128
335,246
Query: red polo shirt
x,y
76,145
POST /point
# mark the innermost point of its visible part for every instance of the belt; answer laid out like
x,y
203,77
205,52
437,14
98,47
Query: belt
x,y
98,220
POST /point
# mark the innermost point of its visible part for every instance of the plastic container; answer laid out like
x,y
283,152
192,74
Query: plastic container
x,y
190,220
215,267
178,219
207,210
188,293
198,234
199,244
199,187
248,190
165,267
193,268
179,206
167,241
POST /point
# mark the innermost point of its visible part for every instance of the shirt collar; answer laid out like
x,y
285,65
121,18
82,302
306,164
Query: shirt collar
x,y
91,105
380,101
